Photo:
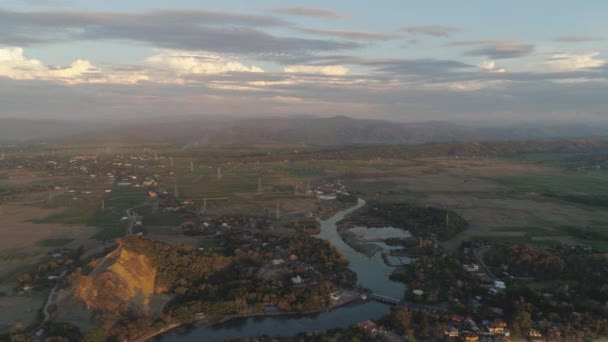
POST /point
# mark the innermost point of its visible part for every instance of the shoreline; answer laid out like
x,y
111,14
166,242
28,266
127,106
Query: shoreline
x,y
198,322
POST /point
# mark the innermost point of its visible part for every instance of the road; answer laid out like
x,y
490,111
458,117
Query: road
x,y
479,253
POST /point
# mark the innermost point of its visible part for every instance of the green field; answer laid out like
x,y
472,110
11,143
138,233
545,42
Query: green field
x,y
54,242
592,184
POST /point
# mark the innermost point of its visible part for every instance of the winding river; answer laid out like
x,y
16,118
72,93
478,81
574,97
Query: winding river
x,y
372,273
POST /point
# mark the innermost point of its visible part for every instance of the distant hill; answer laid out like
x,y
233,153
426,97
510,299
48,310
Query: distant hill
x,y
340,130
26,130
285,131
460,149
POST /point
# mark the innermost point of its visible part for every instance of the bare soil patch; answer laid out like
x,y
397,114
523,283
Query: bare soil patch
x,y
19,238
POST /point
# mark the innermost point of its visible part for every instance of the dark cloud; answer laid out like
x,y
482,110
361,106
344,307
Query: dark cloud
x,y
356,35
314,12
432,30
527,95
497,49
395,67
54,3
188,30
577,39
426,67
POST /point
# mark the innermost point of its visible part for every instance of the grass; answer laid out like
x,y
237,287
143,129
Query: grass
x,y
599,223
532,231
301,171
520,240
69,216
14,255
59,242
111,232
562,183
595,244
160,219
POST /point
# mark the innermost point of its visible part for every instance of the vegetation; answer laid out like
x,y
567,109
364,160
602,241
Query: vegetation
x,y
420,221
441,277
59,242
561,285
228,283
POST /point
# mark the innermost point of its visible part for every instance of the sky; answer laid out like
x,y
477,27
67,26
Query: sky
x,y
411,61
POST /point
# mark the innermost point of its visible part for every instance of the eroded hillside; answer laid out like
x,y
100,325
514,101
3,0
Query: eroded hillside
x,y
121,284
127,284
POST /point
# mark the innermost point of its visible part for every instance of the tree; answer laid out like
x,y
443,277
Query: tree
x,y
16,334
522,322
402,320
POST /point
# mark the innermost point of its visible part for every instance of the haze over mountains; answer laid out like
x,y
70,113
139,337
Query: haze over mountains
x,y
295,130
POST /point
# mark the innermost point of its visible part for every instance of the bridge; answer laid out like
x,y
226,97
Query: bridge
x,y
384,299
396,301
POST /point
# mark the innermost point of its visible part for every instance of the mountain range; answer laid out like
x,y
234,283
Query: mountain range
x,y
296,130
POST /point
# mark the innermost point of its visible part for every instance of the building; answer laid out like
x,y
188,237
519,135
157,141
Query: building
x,y
369,326
296,280
187,224
471,267
451,332
271,309
468,336
535,335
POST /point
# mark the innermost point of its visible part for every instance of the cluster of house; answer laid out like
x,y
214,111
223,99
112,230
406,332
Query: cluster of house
x,y
61,266
94,165
494,286
330,190
466,329
121,171
373,329
460,329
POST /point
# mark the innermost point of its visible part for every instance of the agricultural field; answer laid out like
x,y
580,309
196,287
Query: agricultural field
x,y
503,200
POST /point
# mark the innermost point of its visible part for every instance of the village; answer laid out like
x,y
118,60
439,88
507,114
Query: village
x,y
233,209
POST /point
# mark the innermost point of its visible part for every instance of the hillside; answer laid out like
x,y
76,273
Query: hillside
x,y
36,130
146,285
342,130
455,149
121,284
282,131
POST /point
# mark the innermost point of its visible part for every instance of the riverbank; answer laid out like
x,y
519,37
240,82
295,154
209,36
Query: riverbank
x,y
208,324
284,326
372,273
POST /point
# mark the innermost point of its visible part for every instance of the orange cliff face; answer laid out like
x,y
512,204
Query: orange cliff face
x,y
127,283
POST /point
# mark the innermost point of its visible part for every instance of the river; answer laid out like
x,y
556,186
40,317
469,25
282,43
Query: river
x,y
372,273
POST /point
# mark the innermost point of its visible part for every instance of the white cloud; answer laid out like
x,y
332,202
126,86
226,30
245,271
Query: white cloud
x,y
14,64
574,61
330,70
166,67
490,66
184,63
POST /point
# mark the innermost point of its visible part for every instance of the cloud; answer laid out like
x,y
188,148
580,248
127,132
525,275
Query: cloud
x,y
465,92
577,39
184,63
15,65
50,3
572,61
419,67
432,30
356,35
330,70
497,49
314,12
193,30
490,66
